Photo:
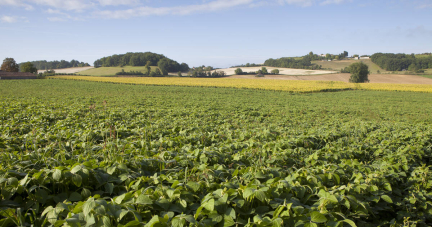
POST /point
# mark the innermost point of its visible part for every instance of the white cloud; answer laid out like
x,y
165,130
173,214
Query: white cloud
x,y
13,19
16,3
68,5
177,10
56,19
8,19
118,2
327,2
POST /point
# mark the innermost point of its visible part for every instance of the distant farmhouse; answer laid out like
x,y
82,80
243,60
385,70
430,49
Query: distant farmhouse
x,y
16,76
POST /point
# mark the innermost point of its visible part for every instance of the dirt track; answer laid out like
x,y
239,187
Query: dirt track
x,y
69,70
374,78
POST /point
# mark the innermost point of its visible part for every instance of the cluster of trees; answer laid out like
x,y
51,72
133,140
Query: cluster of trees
x,y
399,62
303,63
43,65
141,59
156,73
247,65
262,71
205,72
10,65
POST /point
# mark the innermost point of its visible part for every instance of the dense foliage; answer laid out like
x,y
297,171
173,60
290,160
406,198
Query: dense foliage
x,y
9,65
124,155
42,65
28,67
295,63
141,59
359,72
399,62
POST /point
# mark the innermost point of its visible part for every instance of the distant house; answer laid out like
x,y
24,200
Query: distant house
x,y
16,76
356,58
364,58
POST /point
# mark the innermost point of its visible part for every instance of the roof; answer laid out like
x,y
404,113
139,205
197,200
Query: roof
x,y
17,75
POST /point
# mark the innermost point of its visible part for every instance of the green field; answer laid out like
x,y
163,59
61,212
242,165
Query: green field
x,y
110,71
422,56
338,65
75,153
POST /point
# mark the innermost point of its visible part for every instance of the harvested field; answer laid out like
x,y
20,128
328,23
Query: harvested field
x,y
282,71
69,70
344,77
338,65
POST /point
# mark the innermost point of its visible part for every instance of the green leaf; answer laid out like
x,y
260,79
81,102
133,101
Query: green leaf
x,y
318,217
88,207
209,205
144,200
85,193
111,170
388,187
228,221
57,175
387,198
109,188
77,180
75,197
351,223
178,222
310,224
76,169
260,195
194,186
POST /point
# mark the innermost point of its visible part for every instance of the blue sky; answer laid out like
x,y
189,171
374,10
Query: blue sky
x,y
219,33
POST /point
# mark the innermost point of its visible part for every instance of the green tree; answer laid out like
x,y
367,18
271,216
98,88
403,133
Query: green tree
x,y
179,74
264,70
9,65
164,66
345,53
147,66
275,71
28,67
238,71
158,72
328,56
359,72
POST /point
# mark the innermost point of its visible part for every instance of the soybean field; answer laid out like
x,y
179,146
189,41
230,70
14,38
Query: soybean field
x,y
82,153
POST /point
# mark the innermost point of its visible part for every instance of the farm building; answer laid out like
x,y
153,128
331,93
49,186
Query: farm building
x,y
16,76
364,58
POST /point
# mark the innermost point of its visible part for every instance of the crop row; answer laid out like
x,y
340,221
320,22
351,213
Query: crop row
x,y
96,154
295,86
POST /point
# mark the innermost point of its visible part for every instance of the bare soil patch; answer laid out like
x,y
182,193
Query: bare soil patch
x,y
282,71
344,77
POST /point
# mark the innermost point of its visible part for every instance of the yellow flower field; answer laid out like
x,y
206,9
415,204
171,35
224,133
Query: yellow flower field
x,y
276,85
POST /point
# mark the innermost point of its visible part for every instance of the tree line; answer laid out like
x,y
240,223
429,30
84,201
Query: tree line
x,y
287,62
45,65
142,59
399,62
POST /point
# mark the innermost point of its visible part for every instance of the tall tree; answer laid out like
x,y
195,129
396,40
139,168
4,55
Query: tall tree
x,y
9,65
359,72
28,67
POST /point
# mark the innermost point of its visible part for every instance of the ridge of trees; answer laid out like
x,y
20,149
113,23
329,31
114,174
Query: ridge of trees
x,y
399,62
142,59
44,65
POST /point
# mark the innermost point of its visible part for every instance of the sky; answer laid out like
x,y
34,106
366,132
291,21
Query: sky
x,y
219,33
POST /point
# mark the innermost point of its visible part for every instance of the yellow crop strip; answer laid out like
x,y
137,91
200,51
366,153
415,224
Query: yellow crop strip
x,y
297,86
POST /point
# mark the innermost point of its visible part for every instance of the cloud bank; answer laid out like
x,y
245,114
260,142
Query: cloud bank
x,y
140,8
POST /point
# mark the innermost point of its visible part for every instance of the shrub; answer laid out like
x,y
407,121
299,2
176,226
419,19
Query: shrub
x,y
238,71
359,73
275,71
